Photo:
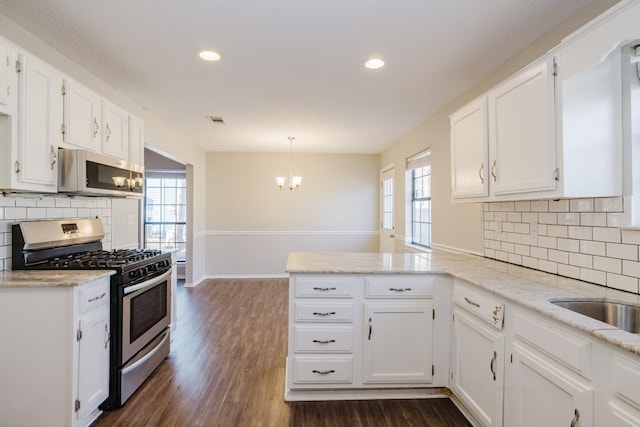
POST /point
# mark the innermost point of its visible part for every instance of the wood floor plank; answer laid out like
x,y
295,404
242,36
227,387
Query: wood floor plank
x,y
227,368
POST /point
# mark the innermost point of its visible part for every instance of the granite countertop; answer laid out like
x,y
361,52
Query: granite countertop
x,y
49,278
530,288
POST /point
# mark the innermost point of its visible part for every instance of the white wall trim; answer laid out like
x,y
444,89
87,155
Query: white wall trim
x,y
454,249
290,233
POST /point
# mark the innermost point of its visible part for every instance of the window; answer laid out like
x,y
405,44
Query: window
x,y
419,180
166,211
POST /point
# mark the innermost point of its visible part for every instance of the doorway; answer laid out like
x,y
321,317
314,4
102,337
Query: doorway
x,y
387,237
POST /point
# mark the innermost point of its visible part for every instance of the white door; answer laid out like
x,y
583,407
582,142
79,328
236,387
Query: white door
x,y
387,238
82,116
6,63
115,131
93,361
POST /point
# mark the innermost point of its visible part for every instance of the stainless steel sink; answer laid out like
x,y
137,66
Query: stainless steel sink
x,y
620,315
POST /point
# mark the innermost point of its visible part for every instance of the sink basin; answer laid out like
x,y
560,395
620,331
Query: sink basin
x,y
623,316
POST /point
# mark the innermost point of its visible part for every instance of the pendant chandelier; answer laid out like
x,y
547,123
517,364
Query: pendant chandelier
x,y
294,181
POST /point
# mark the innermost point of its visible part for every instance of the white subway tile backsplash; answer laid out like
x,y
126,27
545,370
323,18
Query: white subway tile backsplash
x,y
559,205
36,213
609,204
624,283
55,213
610,265
593,248
7,201
593,219
46,202
62,202
15,213
580,233
581,205
622,251
578,238
26,203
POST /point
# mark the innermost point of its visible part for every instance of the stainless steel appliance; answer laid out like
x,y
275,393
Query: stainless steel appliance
x,y
140,292
89,173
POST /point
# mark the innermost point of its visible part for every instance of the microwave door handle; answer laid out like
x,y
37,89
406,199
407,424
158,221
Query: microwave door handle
x,y
148,283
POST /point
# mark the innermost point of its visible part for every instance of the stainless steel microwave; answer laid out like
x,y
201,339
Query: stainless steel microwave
x,y
87,173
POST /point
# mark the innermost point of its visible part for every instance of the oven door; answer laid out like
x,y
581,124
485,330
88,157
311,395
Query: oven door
x,y
146,312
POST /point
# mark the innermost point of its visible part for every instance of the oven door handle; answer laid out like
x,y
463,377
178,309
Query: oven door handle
x,y
147,284
146,357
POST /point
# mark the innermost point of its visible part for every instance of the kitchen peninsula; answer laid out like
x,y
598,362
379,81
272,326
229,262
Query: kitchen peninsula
x,y
372,325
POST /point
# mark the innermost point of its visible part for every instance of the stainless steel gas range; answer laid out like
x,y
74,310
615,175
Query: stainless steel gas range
x,y
140,292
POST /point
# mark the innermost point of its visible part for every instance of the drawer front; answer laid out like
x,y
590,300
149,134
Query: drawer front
x,y
318,287
400,287
323,371
93,295
487,307
626,380
566,348
311,312
323,340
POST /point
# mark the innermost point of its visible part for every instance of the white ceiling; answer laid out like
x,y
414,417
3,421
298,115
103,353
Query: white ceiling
x,y
291,67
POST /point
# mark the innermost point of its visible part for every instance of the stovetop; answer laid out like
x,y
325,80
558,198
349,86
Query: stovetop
x,y
116,259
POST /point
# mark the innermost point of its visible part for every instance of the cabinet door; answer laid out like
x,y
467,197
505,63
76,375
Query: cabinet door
x,y
469,151
136,140
541,393
522,132
478,367
40,125
93,361
398,343
115,132
82,116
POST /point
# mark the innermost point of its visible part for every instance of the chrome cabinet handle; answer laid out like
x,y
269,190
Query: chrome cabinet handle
x,y
108,132
400,289
324,341
576,417
480,173
471,302
370,328
107,336
18,166
98,297
493,170
324,289
96,127
315,371
493,360
329,313
54,157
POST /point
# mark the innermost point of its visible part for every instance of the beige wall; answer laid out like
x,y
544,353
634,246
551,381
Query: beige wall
x,y
459,226
157,134
252,225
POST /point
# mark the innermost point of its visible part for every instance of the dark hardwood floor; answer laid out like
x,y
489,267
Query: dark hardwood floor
x,y
226,368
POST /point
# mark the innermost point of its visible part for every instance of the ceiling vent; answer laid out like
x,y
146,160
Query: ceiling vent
x,y
217,120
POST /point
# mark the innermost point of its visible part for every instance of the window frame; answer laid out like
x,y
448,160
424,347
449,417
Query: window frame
x,y
416,162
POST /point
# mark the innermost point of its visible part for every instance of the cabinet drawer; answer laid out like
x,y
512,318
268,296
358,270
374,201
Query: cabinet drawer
x,y
326,288
323,371
323,340
93,295
566,348
400,287
626,380
487,307
312,312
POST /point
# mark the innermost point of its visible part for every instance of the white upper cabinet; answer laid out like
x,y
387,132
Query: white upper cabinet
x,y
115,132
40,119
469,151
136,140
522,132
82,116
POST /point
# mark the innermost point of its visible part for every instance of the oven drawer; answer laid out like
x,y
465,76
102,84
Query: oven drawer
x,y
93,295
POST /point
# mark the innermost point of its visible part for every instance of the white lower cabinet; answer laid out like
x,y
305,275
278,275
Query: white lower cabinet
x,y
547,376
398,344
354,334
54,363
477,368
623,405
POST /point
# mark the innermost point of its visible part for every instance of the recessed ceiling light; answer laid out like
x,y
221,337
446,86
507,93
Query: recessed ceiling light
x,y
374,63
208,55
